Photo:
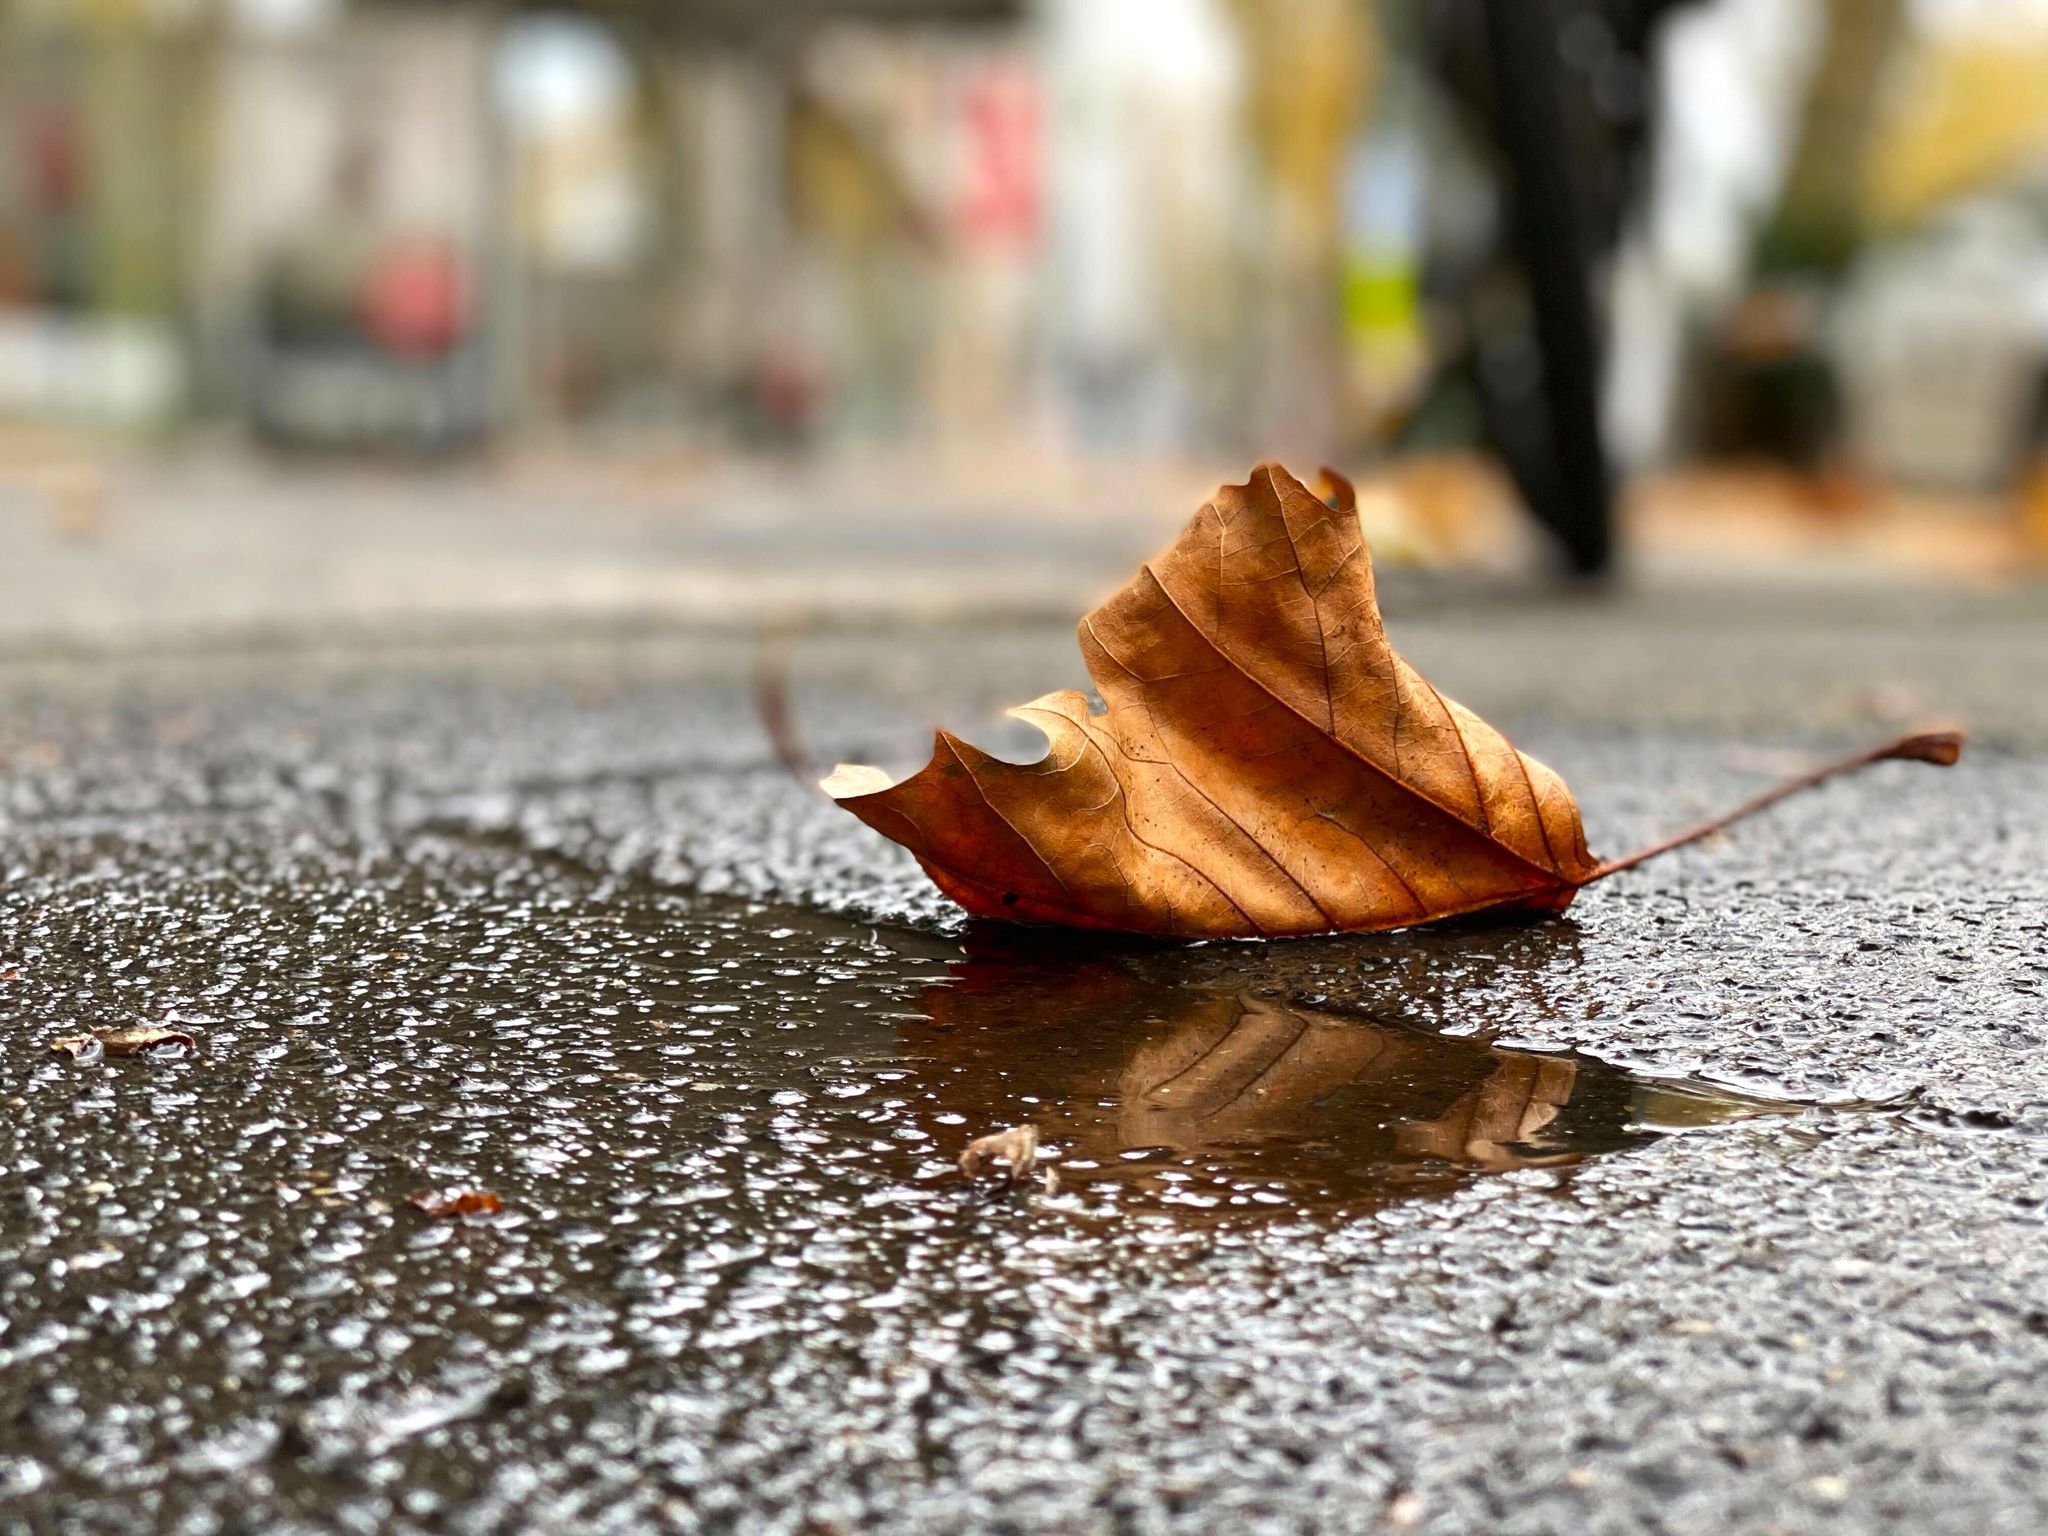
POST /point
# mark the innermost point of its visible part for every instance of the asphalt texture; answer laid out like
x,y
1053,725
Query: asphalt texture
x,y
1713,1206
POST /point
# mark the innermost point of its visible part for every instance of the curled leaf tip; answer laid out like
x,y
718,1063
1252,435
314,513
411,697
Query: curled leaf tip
x,y
1942,748
1335,491
849,780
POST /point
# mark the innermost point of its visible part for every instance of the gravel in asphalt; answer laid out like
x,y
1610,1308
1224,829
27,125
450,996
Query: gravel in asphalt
x,y
1715,1206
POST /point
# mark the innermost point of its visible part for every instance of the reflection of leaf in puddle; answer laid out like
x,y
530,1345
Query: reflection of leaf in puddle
x,y
1238,1071
1202,1093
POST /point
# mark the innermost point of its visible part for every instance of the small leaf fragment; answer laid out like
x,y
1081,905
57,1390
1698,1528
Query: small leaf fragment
x,y
1011,1154
122,1040
441,1203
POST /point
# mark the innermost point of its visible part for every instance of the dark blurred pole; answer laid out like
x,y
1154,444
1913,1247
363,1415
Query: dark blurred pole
x,y
1570,490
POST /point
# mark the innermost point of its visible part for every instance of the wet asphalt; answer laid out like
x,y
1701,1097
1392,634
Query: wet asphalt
x,y
1714,1206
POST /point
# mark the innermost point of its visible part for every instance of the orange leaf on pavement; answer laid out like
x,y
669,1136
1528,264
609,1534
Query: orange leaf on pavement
x,y
1266,763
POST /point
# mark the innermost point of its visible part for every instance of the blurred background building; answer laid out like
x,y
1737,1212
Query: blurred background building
x,y
1721,253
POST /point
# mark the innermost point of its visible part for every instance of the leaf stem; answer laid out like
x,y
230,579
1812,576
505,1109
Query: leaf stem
x,y
1938,747
771,695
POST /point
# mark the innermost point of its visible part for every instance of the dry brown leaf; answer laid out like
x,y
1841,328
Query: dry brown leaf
x,y
455,1202
124,1040
1266,763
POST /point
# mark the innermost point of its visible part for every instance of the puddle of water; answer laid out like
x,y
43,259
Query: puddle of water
x,y
1331,1076
1213,1092
723,1137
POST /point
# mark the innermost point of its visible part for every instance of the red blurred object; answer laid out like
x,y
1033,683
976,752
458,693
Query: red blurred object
x,y
414,299
54,159
999,205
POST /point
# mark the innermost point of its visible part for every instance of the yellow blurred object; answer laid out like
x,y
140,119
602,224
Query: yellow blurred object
x,y
76,496
1969,112
61,473
1440,510
842,187
1313,66
2033,508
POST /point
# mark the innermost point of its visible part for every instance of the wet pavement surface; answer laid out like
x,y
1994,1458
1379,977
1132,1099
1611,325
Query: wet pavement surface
x,y
1714,1206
